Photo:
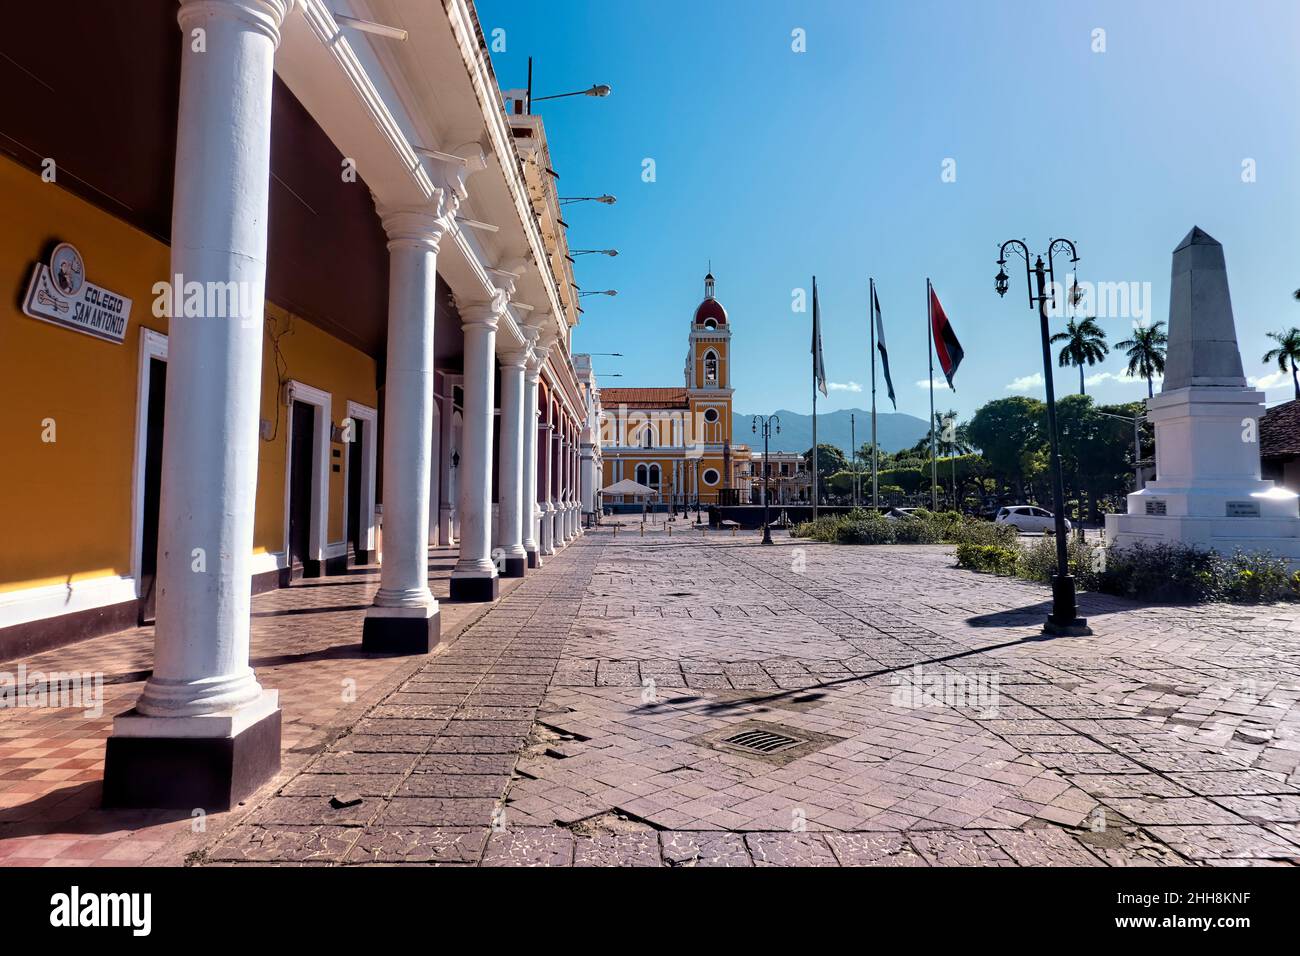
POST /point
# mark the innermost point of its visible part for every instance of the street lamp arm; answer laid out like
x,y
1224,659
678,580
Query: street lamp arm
x,y
1019,247
1051,251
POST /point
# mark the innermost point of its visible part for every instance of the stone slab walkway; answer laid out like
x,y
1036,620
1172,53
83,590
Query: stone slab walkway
x,y
584,721
911,711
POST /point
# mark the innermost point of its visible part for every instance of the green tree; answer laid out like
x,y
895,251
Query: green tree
x,y
1085,344
1146,353
829,460
1287,352
1011,434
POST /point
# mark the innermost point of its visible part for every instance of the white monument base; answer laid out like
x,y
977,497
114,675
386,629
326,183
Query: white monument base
x,y
1208,493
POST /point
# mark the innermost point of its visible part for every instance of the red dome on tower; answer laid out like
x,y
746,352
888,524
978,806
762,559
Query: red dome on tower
x,y
710,308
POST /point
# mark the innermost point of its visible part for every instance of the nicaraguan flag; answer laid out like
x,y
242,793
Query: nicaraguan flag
x,y
819,367
946,346
880,345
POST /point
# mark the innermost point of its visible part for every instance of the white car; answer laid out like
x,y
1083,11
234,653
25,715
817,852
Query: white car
x,y
1028,518
896,514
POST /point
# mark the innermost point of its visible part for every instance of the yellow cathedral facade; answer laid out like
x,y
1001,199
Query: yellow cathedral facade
x,y
677,441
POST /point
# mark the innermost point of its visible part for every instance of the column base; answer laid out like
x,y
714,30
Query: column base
x,y
474,589
401,630
363,557
534,560
210,762
515,567
336,565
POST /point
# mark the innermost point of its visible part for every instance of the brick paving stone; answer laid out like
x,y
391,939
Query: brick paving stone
x,y
418,844
709,849
874,849
284,844
790,849
1225,842
617,849
530,846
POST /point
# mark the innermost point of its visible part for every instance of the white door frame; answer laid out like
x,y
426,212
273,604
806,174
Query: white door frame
x,y
297,391
153,345
369,437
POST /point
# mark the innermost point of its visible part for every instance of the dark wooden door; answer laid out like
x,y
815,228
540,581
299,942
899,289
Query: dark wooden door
x,y
300,466
355,459
153,444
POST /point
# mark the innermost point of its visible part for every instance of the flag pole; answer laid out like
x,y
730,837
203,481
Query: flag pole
x,y
929,335
814,391
875,457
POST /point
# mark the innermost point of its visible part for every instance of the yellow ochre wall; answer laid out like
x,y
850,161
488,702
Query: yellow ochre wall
x,y
68,508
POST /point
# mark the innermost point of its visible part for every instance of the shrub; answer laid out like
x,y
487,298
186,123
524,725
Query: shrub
x,y
990,558
917,530
1163,572
1038,561
1257,576
969,530
873,529
822,529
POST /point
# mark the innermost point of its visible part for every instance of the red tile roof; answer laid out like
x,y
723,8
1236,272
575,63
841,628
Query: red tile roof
x,y
644,397
1279,431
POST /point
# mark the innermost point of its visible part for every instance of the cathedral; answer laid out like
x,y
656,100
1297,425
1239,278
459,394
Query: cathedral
x,y
677,441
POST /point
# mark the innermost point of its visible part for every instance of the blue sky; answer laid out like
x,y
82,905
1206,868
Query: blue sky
x,y
776,165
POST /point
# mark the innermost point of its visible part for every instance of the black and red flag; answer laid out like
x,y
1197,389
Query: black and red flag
x,y
946,345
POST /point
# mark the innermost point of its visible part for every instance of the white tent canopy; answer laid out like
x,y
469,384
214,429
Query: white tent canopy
x,y
628,487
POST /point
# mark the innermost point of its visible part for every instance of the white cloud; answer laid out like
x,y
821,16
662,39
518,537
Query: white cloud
x,y
1123,378
1026,383
938,383
1271,380
844,386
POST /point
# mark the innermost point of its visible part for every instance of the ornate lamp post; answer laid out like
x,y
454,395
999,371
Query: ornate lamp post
x,y
767,423
697,490
1064,618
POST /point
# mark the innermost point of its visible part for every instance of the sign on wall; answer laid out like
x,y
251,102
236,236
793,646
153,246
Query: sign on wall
x,y
59,293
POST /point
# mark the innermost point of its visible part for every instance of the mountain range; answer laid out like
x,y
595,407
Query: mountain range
x,y
894,430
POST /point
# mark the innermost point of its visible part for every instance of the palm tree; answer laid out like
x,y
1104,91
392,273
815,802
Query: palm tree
x,y
1288,350
1085,344
1146,353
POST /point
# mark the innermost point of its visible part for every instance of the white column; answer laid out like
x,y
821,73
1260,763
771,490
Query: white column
x,y
202,686
571,510
445,504
513,495
547,503
404,617
474,578
532,529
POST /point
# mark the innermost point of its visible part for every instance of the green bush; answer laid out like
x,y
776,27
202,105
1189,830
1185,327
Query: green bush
x,y
866,531
1163,572
989,558
969,530
917,530
1257,576
821,529
1038,561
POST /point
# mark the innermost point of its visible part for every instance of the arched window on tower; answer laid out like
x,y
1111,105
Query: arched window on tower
x,y
642,475
648,437
654,477
710,367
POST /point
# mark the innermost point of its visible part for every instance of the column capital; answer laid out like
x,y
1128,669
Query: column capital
x,y
515,358
422,226
265,16
484,314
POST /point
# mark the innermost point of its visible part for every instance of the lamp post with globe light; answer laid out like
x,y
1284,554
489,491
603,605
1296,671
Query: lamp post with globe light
x,y
1064,618
768,423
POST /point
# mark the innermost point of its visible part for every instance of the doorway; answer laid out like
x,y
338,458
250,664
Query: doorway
x,y
303,429
356,465
150,505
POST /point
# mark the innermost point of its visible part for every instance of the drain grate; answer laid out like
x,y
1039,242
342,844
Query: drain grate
x,y
762,741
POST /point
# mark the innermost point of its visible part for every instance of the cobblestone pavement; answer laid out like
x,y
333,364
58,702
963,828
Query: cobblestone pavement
x,y
305,643
922,720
